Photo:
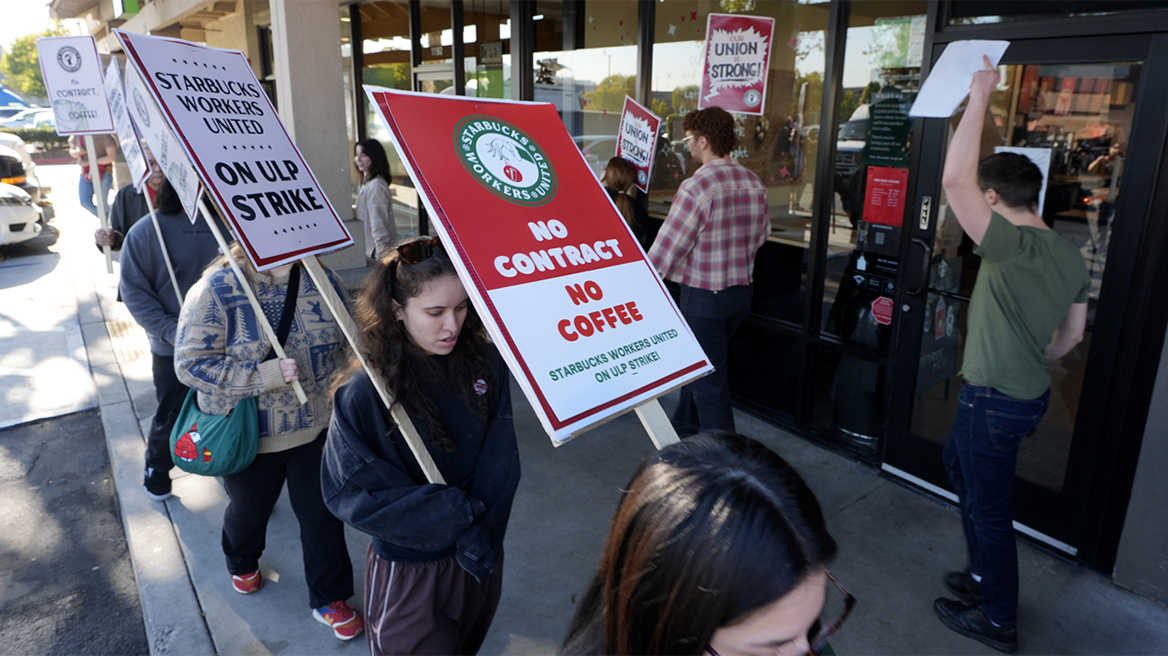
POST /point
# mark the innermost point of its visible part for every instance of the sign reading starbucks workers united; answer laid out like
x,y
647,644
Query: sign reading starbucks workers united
x,y
506,161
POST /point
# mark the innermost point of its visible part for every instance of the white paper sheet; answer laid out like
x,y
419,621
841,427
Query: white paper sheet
x,y
949,80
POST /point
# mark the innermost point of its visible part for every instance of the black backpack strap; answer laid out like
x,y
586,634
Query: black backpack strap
x,y
289,310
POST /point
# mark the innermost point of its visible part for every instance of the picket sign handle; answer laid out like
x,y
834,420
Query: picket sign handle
x,y
255,304
102,217
162,245
353,334
658,426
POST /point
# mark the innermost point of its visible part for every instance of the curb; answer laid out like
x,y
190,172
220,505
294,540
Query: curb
x,y
173,617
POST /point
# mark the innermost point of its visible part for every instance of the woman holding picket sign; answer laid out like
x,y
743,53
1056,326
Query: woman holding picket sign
x,y
222,353
434,570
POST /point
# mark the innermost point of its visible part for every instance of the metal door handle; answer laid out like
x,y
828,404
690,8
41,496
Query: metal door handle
x,y
924,267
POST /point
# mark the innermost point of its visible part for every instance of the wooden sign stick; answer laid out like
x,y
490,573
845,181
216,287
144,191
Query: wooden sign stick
x,y
255,304
660,429
162,245
353,334
102,217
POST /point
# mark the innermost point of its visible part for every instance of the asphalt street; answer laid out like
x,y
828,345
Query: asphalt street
x,y
67,584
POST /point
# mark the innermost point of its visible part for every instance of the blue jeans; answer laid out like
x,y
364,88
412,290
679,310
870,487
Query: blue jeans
x,y
980,459
713,317
85,192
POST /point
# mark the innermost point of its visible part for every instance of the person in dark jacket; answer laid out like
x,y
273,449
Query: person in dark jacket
x,y
434,569
129,206
619,180
718,547
148,292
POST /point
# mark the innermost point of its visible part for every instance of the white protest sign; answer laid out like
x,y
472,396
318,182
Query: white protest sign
x,y
637,140
738,51
127,135
555,273
71,68
949,79
226,124
163,144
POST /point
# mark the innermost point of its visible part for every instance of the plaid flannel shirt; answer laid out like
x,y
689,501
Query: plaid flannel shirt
x,y
716,225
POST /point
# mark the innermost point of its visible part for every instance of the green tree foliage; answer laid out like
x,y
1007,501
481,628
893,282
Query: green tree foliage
x,y
848,104
610,93
21,66
866,97
658,107
814,97
685,97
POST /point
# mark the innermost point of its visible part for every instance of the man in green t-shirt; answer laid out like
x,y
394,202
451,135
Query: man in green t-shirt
x,y
1029,308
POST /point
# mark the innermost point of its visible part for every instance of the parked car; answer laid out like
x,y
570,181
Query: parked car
x,y
597,150
10,111
20,218
36,117
850,140
17,169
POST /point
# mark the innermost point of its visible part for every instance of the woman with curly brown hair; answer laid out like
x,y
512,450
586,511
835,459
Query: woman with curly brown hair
x,y
433,573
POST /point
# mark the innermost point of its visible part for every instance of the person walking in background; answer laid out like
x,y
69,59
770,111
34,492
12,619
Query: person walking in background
x,y
717,547
223,354
619,179
1029,308
146,289
106,149
434,570
374,202
129,206
717,223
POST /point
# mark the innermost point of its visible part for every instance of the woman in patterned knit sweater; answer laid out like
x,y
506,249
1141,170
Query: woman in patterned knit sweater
x,y
222,352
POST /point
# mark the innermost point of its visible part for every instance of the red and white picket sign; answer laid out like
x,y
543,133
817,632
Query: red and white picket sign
x,y
737,64
637,139
581,317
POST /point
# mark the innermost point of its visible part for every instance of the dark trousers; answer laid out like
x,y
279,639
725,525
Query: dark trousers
x,y
170,395
713,317
427,608
980,459
253,493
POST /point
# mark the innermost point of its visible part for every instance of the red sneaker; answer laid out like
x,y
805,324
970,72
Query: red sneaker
x,y
248,583
343,618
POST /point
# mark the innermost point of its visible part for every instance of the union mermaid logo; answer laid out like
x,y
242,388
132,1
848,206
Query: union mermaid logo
x,y
506,161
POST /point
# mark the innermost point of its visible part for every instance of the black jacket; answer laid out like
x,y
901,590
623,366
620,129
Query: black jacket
x,y
372,482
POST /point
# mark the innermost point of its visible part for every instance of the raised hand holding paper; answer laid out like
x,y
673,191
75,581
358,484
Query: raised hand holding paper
x,y
948,82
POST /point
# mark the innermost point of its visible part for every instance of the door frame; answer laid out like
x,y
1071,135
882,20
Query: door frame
x,y
1124,353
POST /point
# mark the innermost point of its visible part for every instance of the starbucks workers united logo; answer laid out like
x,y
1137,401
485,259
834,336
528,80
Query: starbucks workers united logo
x,y
505,160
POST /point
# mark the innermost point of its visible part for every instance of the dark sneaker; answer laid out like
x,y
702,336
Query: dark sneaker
x,y
157,484
970,621
344,620
963,585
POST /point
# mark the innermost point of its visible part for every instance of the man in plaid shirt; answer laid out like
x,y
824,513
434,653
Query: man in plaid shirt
x,y
716,225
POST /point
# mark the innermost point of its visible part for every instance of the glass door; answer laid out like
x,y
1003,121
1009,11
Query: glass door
x,y
1075,119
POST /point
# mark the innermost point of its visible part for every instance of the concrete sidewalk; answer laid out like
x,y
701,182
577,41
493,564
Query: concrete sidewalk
x,y
895,543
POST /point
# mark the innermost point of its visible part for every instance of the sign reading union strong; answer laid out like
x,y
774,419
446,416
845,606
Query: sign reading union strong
x,y
505,160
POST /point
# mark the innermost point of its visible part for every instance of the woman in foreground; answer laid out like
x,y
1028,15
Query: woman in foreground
x,y
434,570
718,547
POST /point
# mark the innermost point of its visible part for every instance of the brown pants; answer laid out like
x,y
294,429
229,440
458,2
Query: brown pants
x,y
427,608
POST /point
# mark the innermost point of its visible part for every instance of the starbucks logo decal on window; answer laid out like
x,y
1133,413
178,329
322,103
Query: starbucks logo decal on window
x,y
506,161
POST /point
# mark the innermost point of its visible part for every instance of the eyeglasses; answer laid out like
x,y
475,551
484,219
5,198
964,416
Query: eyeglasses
x,y
413,252
692,136
826,631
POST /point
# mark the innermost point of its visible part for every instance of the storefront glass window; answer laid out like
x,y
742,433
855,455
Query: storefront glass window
x,y
1077,119
585,64
779,146
882,73
385,33
488,53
